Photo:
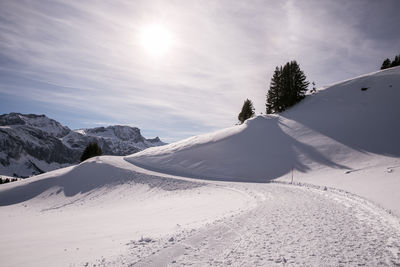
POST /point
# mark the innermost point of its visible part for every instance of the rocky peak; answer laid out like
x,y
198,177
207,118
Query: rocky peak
x,y
41,122
155,140
127,133
123,133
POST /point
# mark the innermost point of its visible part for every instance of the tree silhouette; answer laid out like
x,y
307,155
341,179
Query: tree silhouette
x,y
247,111
389,64
288,87
396,61
92,150
386,64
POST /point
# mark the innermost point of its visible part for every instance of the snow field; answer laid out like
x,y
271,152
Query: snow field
x,y
341,137
291,225
92,211
122,215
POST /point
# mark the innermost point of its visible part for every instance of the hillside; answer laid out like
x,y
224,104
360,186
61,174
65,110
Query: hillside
x,y
341,129
32,144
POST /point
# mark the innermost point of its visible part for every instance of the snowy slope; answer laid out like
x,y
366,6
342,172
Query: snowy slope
x,y
341,128
107,212
96,209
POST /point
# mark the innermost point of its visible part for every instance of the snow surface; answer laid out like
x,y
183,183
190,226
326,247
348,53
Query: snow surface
x,y
109,212
24,165
83,213
290,226
339,130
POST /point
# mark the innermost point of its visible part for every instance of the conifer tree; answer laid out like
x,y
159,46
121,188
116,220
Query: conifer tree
x,y
288,87
386,64
396,61
273,92
92,150
247,111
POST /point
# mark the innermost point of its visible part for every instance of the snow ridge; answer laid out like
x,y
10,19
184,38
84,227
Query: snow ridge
x,y
327,129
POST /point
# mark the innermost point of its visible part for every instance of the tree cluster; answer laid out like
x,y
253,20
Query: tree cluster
x,y
7,180
247,111
288,87
92,150
389,64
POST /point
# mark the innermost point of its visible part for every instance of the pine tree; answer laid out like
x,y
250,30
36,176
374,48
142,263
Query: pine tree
x,y
273,92
247,111
92,150
386,64
396,61
288,87
389,64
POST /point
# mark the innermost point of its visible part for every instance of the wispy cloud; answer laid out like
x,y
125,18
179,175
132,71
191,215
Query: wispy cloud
x,y
86,55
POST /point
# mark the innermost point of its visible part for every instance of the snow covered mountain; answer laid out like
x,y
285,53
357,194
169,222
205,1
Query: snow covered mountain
x,y
32,144
114,140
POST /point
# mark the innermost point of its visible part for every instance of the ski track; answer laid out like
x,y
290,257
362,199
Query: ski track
x,y
289,226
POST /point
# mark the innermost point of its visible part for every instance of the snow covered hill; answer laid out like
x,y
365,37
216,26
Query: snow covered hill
x,y
344,128
33,144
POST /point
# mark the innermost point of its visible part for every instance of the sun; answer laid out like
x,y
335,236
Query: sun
x,y
155,39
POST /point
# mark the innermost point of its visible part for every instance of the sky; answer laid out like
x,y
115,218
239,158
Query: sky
x,y
89,63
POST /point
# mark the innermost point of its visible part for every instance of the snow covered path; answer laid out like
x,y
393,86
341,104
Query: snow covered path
x,y
290,225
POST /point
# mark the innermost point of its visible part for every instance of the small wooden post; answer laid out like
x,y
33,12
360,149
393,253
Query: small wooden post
x,y
292,176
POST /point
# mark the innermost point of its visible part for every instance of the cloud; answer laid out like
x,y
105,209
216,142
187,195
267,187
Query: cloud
x,y
86,55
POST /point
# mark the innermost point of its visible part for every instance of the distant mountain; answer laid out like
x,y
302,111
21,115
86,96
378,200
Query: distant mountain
x,y
32,144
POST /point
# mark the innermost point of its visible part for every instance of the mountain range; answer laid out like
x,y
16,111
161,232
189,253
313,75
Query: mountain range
x,y
31,144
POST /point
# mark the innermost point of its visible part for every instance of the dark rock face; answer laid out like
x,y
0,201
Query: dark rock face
x,y
154,140
22,138
34,121
32,144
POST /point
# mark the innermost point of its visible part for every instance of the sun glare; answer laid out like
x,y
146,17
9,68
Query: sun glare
x,y
155,39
